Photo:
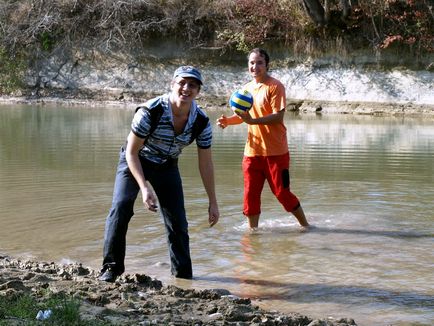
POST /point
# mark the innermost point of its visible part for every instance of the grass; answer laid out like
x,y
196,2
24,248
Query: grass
x,y
22,310
12,72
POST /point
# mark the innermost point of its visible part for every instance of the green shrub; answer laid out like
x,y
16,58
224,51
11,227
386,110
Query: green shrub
x,y
12,72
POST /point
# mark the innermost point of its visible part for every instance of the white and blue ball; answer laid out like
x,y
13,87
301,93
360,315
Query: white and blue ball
x,y
241,101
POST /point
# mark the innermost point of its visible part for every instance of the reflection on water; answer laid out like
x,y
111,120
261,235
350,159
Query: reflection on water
x,y
365,182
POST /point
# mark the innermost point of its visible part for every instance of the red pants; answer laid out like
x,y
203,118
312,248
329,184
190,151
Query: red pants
x,y
274,169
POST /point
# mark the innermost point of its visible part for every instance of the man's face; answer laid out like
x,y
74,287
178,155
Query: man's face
x,y
257,66
185,89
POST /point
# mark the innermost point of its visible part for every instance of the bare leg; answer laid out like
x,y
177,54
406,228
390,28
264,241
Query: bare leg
x,y
254,221
299,215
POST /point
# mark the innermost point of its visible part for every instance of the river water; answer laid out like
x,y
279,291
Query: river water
x,y
365,182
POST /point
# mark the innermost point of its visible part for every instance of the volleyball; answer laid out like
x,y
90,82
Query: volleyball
x,y
241,101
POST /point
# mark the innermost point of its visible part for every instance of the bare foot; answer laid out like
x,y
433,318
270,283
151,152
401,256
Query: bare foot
x,y
307,228
254,229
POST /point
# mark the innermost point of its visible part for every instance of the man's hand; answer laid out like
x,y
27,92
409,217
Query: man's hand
x,y
149,199
222,122
214,215
245,116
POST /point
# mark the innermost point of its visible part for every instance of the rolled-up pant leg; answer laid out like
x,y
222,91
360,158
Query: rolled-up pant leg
x,y
168,188
124,195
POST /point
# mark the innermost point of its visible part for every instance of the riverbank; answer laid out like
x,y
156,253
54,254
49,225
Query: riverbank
x,y
138,299
219,103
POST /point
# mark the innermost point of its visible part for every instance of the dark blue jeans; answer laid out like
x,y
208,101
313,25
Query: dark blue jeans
x,y
167,185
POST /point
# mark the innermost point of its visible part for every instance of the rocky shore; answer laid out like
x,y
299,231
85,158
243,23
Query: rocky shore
x,y
140,300
119,99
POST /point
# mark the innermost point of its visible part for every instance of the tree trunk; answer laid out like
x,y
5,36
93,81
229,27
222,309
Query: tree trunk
x,y
327,10
321,14
346,8
315,11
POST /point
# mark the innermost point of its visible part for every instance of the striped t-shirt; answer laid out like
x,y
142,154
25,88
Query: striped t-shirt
x,y
162,143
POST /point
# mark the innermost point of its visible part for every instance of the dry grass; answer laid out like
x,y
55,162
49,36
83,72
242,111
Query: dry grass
x,y
225,24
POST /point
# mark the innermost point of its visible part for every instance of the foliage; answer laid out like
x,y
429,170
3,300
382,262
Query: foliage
x,y
105,23
248,23
227,24
410,23
24,308
380,24
12,72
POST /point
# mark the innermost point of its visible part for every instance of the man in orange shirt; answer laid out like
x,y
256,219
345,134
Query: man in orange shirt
x,y
266,154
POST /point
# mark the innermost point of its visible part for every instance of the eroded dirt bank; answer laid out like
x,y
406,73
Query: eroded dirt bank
x,y
129,100
139,300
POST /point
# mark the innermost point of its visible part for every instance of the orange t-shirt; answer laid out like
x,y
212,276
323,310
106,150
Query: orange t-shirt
x,y
266,140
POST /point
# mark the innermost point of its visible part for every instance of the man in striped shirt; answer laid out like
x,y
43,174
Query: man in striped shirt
x,y
160,129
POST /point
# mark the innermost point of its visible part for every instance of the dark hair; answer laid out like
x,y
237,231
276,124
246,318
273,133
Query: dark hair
x,y
262,53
